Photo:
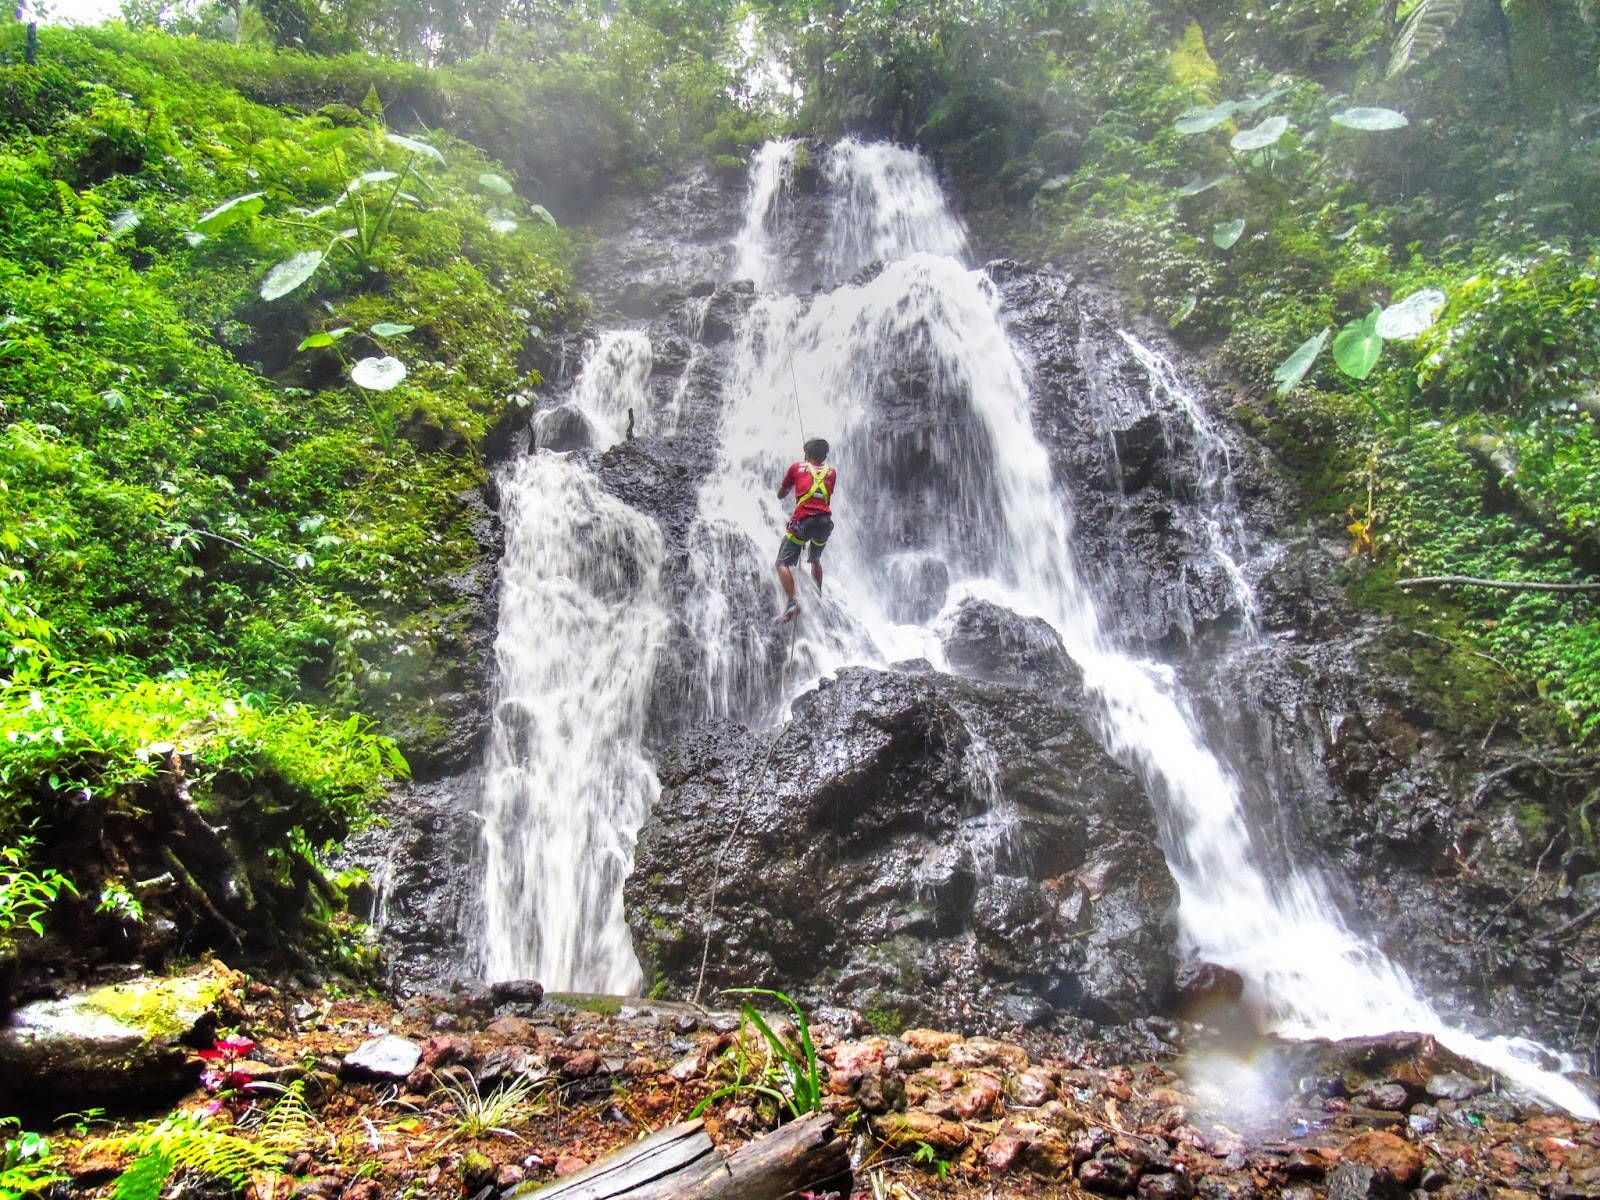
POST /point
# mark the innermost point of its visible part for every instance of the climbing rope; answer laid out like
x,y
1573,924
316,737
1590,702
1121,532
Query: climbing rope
x,y
794,394
744,807
760,777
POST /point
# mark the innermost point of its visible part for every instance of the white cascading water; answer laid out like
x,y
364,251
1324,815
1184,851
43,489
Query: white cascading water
x,y
945,493
959,478
566,783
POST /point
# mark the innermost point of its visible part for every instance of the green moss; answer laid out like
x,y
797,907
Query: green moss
x,y
605,1006
1191,66
159,1009
884,1020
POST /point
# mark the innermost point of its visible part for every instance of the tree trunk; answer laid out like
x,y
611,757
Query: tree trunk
x,y
680,1163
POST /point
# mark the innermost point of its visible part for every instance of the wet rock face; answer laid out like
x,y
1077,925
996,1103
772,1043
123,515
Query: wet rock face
x,y
864,855
1130,459
423,895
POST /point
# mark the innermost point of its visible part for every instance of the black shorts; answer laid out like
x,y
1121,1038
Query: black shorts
x,y
814,529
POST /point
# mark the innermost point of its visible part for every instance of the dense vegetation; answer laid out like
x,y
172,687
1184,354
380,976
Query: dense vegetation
x,y
272,272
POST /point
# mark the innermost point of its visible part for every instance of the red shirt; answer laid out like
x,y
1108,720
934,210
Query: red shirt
x,y
800,478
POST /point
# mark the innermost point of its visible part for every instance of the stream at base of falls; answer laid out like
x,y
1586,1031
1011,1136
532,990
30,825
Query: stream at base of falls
x,y
876,332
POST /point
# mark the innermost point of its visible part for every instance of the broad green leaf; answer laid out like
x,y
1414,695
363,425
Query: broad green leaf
x,y
378,176
1183,313
1358,347
543,214
231,212
1200,120
1373,120
1293,369
495,185
1196,185
323,338
1227,233
378,374
391,329
1261,136
124,222
412,146
1258,103
1404,319
290,274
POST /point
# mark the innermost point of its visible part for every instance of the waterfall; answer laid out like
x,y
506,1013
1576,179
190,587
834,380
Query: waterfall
x,y
926,399
945,492
566,782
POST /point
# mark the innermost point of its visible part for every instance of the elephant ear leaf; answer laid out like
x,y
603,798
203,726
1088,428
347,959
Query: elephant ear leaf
x,y
231,212
1293,369
378,374
1404,319
1261,136
413,146
1227,233
1358,347
1372,120
290,274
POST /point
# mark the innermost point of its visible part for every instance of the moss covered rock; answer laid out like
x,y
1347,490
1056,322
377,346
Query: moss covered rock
x,y
121,1046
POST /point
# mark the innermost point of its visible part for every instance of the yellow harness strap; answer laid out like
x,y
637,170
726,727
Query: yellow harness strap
x,y
819,484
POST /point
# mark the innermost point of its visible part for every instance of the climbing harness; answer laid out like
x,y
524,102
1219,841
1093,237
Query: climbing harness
x,y
819,484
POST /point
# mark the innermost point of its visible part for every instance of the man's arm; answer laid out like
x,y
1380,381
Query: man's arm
x,y
788,482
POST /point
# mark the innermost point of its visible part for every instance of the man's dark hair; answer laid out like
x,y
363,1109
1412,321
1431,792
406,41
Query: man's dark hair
x,y
816,450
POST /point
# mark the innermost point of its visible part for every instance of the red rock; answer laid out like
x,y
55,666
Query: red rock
x,y
1049,1155
903,1131
930,1041
986,1052
979,1099
581,1065
569,1164
1034,1087
444,1051
850,1060
1384,1152
514,1029
1002,1154
689,1067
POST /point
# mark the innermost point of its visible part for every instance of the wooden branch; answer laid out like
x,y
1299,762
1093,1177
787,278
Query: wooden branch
x,y
1505,585
680,1163
660,1155
240,546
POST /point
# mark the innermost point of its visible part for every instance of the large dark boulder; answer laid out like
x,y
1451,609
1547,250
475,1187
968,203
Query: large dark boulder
x,y
913,843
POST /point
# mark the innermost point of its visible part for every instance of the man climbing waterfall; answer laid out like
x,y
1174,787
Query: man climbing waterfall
x,y
813,485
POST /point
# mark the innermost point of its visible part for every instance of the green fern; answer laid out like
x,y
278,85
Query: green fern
x,y
1423,31
187,1142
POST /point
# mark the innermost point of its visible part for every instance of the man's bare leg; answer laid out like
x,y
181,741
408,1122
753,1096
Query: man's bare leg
x,y
786,578
816,577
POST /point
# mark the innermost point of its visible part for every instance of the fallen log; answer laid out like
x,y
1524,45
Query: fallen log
x,y
680,1163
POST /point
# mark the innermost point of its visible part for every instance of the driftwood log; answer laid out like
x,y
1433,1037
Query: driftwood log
x,y
680,1163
